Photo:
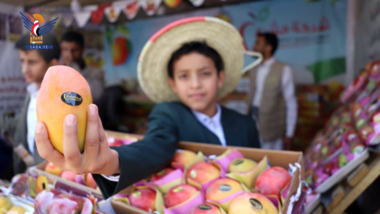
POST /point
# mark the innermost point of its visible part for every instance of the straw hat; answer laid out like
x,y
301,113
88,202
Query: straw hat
x,y
218,34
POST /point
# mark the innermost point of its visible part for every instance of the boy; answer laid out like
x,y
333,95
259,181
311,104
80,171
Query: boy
x,y
34,65
198,75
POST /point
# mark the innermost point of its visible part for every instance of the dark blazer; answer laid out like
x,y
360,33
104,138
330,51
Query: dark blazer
x,y
168,124
20,137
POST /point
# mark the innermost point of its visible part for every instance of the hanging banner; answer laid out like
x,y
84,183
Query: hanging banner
x,y
97,15
172,3
150,6
82,17
131,9
114,11
197,3
312,36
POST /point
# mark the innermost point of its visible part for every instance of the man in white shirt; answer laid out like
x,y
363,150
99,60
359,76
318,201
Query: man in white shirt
x,y
34,66
272,101
72,46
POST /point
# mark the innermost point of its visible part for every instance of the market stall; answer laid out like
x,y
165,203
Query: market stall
x,y
337,126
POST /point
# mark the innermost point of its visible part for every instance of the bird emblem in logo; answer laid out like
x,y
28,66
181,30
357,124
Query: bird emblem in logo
x,y
32,23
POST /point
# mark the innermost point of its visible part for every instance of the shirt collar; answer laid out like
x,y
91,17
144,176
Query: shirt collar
x,y
269,62
204,118
32,88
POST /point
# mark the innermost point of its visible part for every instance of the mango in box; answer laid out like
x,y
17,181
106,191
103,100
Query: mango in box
x,y
63,91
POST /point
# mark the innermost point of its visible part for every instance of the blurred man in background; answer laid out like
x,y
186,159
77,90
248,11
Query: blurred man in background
x,y
272,101
34,64
72,47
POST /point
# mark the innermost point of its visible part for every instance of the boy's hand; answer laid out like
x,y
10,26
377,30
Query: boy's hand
x,y
97,157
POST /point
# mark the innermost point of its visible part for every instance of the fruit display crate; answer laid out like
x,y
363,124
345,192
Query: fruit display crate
x,y
338,198
276,158
355,125
38,177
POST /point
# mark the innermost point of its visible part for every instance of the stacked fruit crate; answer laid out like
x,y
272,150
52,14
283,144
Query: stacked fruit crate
x,y
312,114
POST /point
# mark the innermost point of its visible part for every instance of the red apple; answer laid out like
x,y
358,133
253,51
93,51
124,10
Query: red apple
x,y
90,182
68,175
114,142
161,174
205,209
202,172
376,117
52,169
272,180
143,199
251,203
179,194
365,131
329,167
182,157
356,109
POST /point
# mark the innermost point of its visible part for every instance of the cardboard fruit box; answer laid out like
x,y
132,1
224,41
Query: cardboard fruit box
x,y
58,182
276,158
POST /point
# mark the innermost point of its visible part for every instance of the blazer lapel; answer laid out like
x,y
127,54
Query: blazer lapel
x,y
198,127
230,130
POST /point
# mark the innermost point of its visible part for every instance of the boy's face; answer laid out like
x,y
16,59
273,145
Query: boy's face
x,y
34,66
196,81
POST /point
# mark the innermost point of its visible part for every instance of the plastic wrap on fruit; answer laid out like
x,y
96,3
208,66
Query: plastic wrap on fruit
x,y
180,199
54,201
319,177
202,174
375,118
360,123
166,179
184,159
224,160
147,198
66,203
43,200
122,198
211,208
365,132
332,166
5,204
346,118
247,173
275,201
20,185
353,87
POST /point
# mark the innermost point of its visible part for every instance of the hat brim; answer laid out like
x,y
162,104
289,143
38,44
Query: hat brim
x,y
154,58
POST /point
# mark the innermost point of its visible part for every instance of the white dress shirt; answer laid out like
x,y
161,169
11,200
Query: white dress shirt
x,y
214,124
287,82
32,115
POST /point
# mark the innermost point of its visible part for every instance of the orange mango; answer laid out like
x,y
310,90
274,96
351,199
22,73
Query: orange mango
x,y
63,91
